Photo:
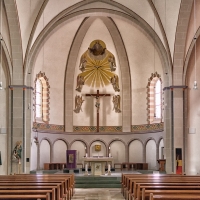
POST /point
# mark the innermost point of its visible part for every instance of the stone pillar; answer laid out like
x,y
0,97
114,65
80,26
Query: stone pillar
x,y
168,127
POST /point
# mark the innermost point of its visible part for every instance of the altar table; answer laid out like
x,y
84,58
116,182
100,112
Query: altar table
x,y
98,165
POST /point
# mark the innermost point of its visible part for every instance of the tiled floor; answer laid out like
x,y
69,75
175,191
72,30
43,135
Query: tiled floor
x,y
98,194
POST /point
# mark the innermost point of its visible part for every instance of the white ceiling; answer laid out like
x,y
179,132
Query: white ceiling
x,y
29,11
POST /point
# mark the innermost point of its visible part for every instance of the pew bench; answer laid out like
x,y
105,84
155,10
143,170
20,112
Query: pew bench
x,y
69,178
146,193
131,192
34,185
25,196
174,197
25,191
143,191
127,178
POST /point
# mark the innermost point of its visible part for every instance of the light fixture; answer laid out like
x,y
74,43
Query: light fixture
x,y
195,86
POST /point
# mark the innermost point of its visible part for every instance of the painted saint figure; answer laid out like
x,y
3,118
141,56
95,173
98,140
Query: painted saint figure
x,y
78,103
17,151
83,63
115,82
80,83
111,60
116,103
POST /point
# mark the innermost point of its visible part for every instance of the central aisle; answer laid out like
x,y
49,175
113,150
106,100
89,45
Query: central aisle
x,y
98,194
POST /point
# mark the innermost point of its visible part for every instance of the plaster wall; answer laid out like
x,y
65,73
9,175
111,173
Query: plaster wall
x,y
80,150
87,117
4,156
5,30
59,151
143,60
193,116
151,155
45,153
52,59
102,152
194,23
27,12
136,152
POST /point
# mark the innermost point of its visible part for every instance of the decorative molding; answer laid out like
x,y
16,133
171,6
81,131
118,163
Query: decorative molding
x,y
20,86
175,86
147,128
44,126
94,129
144,128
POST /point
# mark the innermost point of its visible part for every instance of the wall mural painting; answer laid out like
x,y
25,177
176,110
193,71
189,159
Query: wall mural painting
x,y
97,65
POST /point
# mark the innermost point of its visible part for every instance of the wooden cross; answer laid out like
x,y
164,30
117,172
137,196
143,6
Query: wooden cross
x,y
97,96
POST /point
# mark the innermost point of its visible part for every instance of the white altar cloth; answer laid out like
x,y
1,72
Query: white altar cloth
x,y
98,165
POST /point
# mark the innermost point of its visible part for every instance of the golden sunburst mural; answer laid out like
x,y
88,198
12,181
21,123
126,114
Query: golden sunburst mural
x,y
97,65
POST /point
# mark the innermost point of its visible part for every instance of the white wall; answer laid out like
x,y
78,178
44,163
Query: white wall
x,y
52,59
59,151
33,160
136,152
117,150
193,115
161,152
98,153
44,153
151,155
80,150
108,117
140,51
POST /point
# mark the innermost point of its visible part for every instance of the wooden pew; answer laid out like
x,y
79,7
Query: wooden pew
x,y
25,196
133,191
143,191
25,191
69,178
174,196
126,179
134,181
33,186
25,181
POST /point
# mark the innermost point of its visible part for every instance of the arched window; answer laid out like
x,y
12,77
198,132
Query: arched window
x,y
41,98
38,99
154,90
157,110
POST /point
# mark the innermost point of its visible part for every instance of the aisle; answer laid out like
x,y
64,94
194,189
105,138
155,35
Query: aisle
x,y
98,194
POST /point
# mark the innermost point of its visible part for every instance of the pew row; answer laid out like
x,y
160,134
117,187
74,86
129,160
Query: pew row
x,y
55,187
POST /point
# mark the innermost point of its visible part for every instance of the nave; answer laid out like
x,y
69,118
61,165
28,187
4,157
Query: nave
x,y
98,194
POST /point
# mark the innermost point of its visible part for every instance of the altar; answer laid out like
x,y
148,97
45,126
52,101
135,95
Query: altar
x,y
98,165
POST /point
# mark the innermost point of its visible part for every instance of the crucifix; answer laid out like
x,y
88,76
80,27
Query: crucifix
x,y
97,104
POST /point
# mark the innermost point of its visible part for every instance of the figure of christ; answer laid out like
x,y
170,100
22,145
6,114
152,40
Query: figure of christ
x,y
97,104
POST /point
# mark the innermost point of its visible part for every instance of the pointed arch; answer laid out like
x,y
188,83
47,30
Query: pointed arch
x,y
41,98
154,98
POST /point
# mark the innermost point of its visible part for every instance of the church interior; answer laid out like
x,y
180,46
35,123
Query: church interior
x,y
107,78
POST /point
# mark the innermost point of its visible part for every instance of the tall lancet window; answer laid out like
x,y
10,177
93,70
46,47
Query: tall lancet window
x,y
38,99
154,98
41,98
157,110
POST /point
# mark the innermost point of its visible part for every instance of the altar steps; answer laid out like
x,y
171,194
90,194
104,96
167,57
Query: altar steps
x,y
97,182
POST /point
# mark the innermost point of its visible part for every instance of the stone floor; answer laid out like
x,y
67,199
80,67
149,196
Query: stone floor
x,y
98,194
